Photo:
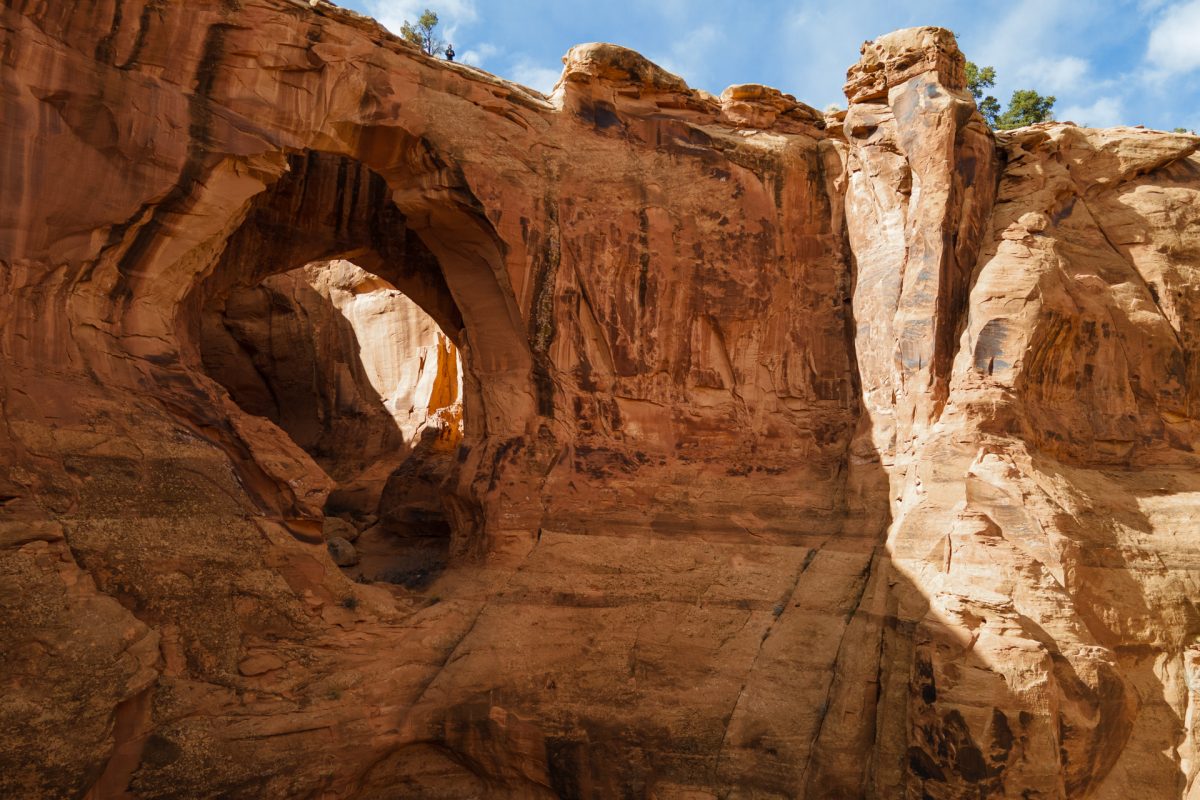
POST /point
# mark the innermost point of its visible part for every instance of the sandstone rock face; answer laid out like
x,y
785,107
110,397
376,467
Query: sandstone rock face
x,y
796,460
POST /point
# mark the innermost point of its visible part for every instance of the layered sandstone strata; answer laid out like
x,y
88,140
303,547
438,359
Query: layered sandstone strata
x,y
797,459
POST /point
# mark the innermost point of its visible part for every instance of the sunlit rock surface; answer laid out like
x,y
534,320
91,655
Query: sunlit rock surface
x,y
797,459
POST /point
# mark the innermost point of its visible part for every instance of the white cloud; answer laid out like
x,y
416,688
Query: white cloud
x,y
1175,40
677,11
392,14
479,55
1030,56
823,40
534,75
690,53
1062,74
1104,112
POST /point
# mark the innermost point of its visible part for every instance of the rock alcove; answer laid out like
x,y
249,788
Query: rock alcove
x,y
364,377
365,382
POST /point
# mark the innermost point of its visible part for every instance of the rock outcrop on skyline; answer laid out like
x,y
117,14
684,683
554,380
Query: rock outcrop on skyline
x,y
375,427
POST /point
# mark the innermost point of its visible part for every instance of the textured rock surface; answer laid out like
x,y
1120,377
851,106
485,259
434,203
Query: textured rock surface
x,y
349,367
796,460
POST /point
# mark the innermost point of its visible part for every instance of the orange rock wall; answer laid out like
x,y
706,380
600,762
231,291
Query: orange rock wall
x,y
800,458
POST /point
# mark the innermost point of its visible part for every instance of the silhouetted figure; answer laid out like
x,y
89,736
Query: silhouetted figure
x,y
449,52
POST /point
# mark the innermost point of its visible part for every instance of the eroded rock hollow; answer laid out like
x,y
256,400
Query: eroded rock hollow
x,y
667,445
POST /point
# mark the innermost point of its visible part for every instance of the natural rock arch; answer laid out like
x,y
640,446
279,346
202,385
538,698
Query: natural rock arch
x,y
325,207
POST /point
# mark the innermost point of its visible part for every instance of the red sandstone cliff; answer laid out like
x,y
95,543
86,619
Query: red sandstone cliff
x,y
799,459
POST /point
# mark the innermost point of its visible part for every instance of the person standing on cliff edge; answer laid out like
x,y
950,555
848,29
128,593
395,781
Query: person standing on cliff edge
x,y
449,52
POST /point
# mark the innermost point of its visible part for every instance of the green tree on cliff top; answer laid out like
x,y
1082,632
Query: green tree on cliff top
x,y
1024,108
978,80
423,34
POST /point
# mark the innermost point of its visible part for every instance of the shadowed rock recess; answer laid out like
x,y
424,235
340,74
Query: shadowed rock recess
x,y
790,455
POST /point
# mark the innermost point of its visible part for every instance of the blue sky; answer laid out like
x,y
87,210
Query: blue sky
x,y
1108,61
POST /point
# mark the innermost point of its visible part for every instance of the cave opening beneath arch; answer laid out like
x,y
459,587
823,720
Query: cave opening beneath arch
x,y
330,316
367,383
